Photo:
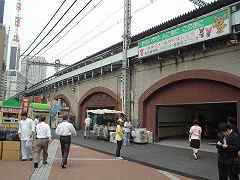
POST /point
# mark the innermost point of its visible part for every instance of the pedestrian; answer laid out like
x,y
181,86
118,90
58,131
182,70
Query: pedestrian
x,y
127,130
228,147
87,123
35,122
43,138
65,130
119,137
195,138
25,132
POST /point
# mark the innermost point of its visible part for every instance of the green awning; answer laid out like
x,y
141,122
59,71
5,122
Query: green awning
x,y
11,103
39,106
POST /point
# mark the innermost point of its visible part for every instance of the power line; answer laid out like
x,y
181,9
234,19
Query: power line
x,y
90,39
64,27
103,31
44,27
94,7
53,27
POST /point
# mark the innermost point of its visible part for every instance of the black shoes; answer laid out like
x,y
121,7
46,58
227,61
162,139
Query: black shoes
x,y
35,165
63,165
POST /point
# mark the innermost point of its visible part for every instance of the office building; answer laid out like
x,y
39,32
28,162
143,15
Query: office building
x,y
36,71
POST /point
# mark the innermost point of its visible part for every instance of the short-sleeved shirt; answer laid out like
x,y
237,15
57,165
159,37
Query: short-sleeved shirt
x,y
195,132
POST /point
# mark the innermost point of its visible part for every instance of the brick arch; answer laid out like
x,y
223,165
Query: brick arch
x,y
209,75
65,98
108,94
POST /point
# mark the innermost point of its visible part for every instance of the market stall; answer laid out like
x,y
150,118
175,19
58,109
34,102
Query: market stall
x,y
9,141
104,123
39,109
10,113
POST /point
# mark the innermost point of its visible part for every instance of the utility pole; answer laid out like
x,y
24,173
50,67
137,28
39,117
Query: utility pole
x,y
125,83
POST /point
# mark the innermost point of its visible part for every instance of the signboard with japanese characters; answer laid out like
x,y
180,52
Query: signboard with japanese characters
x,y
9,110
198,30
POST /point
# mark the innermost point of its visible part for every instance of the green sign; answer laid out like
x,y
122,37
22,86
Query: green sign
x,y
202,29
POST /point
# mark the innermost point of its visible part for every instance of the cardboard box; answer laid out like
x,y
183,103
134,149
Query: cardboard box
x,y
9,155
11,145
0,150
10,150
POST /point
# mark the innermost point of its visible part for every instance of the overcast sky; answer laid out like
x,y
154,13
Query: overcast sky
x,y
99,28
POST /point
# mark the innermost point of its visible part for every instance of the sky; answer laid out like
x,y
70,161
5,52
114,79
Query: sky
x,y
100,25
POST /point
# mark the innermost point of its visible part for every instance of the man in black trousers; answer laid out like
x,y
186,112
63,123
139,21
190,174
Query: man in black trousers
x,y
228,147
65,130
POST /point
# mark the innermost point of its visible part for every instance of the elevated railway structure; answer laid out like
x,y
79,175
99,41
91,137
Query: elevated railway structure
x,y
184,68
110,58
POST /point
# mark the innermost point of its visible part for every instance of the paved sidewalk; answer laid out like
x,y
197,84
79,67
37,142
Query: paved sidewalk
x,y
87,164
176,160
15,170
43,172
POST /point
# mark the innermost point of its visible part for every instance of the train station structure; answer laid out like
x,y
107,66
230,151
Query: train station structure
x,y
184,68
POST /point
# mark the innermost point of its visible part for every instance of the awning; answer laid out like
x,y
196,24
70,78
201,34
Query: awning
x,y
104,111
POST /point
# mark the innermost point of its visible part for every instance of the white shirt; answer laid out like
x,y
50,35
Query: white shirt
x,y
195,132
43,130
87,121
25,129
65,129
127,126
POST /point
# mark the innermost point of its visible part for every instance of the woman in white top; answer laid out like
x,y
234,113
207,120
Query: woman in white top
x,y
195,138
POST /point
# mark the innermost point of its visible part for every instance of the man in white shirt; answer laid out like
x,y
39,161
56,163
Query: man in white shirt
x,y
43,137
65,130
87,126
25,131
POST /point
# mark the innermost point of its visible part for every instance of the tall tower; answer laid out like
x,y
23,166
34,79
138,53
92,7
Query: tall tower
x,y
15,81
15,45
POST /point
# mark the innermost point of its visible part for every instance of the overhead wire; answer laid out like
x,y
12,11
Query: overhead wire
x,y
44,27
94,7
52,27
63,27
104,31
101,23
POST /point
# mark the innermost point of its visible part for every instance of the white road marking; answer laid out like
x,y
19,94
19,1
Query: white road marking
x,y
169,175
43,172
90,159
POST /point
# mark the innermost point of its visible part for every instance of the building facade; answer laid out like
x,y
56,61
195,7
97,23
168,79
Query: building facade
x,y
15,83
35,71
3,55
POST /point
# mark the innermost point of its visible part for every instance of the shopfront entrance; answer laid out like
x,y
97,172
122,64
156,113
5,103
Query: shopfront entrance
x,y
174,121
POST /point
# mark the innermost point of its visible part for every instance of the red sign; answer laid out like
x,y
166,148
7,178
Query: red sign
x,y
24,105
37,99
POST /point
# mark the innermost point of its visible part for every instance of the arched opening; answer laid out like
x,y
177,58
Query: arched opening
x,y
97,98
64,101
169,106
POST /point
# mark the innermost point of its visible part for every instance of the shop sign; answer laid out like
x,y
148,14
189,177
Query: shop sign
x,y
10,110
37,99
202,29
24,105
